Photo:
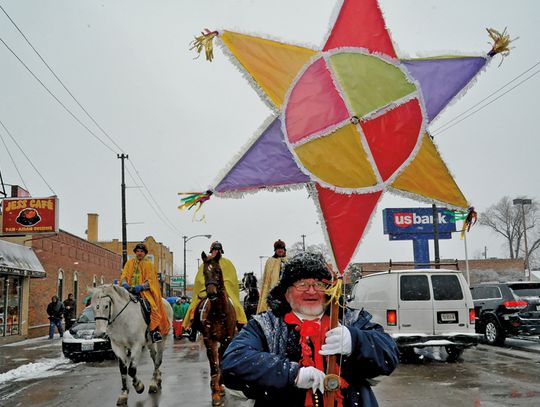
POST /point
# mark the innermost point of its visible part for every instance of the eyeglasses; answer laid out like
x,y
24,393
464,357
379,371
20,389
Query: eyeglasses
x,y
317,286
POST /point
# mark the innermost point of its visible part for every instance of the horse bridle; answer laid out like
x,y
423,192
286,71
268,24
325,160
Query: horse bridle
x,y
211,282
108,319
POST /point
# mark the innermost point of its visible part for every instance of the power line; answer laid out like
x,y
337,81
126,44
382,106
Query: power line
x,y
55,98
487,104
442,128
13,161
161,218
79,104
60,81
486,98
27,158
151,196
84,110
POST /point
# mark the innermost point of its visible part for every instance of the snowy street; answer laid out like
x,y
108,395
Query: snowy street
x,y
35,373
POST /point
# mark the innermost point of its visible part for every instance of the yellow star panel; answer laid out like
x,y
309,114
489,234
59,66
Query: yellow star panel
x,y
428,176
338,159
272,65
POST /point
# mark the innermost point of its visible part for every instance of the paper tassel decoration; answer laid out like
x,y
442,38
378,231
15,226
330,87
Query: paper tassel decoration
x,y
469,219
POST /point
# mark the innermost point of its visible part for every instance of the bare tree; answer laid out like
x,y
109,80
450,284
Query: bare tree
x,y
313,248
506,219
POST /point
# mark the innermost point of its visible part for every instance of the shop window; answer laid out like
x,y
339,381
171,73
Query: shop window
x,y
11,306
60,285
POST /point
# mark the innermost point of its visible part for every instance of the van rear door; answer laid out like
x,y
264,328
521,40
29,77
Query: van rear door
x,y
415,313
451,311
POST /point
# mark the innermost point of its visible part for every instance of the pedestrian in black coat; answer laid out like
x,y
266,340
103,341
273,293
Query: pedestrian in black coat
x,y
69,311
55,310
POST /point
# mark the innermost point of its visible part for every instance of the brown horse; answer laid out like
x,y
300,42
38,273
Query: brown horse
x,y
218,322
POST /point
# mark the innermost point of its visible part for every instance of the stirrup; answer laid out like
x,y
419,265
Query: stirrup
x,y
156,336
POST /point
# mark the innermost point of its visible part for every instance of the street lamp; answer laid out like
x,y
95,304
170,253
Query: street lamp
x,y
523,202
187,239
260,264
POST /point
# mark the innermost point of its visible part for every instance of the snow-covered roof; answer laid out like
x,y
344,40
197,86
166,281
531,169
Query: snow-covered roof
x,y
19,260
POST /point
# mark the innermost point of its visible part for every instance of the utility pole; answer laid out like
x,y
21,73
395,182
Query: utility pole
x,y
523,202
303,242
436,236
124,229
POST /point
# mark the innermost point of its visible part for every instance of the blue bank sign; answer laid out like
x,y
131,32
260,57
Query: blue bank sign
x,y
416,224
404,222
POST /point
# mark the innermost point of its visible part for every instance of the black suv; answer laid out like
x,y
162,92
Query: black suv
x,y
506,309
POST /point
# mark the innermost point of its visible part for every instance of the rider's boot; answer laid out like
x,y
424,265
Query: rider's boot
x,y
194,325
193,333
156,336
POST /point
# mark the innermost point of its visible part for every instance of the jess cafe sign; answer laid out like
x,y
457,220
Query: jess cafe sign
x,y
29,215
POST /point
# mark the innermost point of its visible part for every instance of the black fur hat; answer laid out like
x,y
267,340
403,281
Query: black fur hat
x,y
301,266
217,246
141,246
279,244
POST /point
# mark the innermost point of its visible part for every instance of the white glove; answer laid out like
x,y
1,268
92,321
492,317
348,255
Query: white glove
x,y
338,341
310,378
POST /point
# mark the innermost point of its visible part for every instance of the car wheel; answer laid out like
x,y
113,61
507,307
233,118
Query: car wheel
x,y
493,333
454,353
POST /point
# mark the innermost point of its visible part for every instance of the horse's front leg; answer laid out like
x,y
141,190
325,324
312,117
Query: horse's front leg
x,y
132,369
122,365
215,376
222,348
156,352
123,398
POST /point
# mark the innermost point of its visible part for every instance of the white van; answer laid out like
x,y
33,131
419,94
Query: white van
x,y
420,308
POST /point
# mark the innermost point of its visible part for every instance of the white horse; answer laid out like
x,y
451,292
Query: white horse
x,y
121,319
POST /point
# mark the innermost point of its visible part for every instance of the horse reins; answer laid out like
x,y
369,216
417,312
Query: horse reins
x,y
109,322
212,282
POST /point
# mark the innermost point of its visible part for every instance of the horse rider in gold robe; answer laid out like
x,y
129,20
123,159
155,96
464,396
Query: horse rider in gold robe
x,y
232,287
139,277
272,273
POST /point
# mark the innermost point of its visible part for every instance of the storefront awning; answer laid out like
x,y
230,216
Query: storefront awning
x,y
19,260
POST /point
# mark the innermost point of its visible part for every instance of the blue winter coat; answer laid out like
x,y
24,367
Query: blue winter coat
x,y
256,361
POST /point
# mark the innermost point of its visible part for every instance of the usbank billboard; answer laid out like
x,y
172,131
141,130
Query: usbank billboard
x,y
415,221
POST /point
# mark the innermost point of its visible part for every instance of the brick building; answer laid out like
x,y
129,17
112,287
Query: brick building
x,y
72,264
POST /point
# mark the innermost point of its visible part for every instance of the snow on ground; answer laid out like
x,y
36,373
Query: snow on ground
x,y
36,370
25,342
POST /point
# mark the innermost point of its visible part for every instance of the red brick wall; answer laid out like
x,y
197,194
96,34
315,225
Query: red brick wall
x,y
72,255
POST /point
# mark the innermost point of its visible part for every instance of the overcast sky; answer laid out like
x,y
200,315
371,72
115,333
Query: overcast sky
x,y
182,120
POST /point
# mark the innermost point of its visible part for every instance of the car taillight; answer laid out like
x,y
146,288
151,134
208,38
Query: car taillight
x,y
472,315
391,317
515,304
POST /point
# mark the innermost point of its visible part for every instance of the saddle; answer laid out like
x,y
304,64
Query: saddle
x,y
145,307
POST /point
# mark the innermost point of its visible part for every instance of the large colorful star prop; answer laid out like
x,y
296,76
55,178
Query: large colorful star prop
x,y
350,121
